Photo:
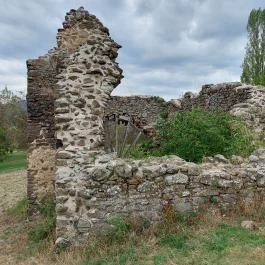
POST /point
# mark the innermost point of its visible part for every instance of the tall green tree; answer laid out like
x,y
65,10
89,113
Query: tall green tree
x,y
253,67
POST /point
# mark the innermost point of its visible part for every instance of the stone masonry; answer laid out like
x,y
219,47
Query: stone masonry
x,y
239,99
143,188
67,90
234,97
68,97
143,110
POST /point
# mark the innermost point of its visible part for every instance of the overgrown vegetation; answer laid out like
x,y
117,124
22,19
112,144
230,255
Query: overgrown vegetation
x,y
13,122
226,235
180,239
195,134
44,226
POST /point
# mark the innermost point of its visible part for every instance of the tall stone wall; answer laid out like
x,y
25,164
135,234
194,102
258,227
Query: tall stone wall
x,y
50,77
41,129
83,91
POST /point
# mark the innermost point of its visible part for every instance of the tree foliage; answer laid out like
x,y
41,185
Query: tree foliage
x,y
13,121
253,67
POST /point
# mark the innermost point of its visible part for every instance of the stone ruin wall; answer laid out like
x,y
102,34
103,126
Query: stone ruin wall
x,y
236,98
143,189
68,93
239,99
80,30
143,110
84,89
102,186
41,129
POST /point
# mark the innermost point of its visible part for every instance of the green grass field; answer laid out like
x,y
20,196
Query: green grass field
x,y
15,161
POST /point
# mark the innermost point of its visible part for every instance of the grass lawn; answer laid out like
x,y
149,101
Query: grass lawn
x,y
15,161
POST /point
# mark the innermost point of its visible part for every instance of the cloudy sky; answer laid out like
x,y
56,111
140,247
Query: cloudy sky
x,y
169,46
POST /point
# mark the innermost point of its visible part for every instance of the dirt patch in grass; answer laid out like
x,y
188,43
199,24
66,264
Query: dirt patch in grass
x,y
12,188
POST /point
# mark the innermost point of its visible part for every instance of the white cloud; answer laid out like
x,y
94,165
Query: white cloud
x,y
169,46
13,74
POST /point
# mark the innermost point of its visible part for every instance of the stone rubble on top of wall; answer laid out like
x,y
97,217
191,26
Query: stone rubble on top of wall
x,y
253,109
240,99
243,100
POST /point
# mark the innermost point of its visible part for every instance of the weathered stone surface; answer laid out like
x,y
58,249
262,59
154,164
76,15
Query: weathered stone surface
x,y
142,110
41,172
63,85
122,169
251,225
100,173
178,178
148,186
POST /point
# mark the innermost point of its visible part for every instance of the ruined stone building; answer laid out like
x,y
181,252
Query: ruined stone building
x,y
67,91
68,97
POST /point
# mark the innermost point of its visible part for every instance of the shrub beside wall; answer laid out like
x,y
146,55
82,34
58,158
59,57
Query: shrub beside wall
x,y
195,134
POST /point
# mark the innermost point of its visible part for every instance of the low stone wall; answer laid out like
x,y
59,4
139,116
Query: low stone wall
x,y
234,97
144,187
239,99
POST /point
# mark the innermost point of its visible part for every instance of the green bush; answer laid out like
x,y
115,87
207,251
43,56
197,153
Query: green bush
x,y
195,134
142,150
